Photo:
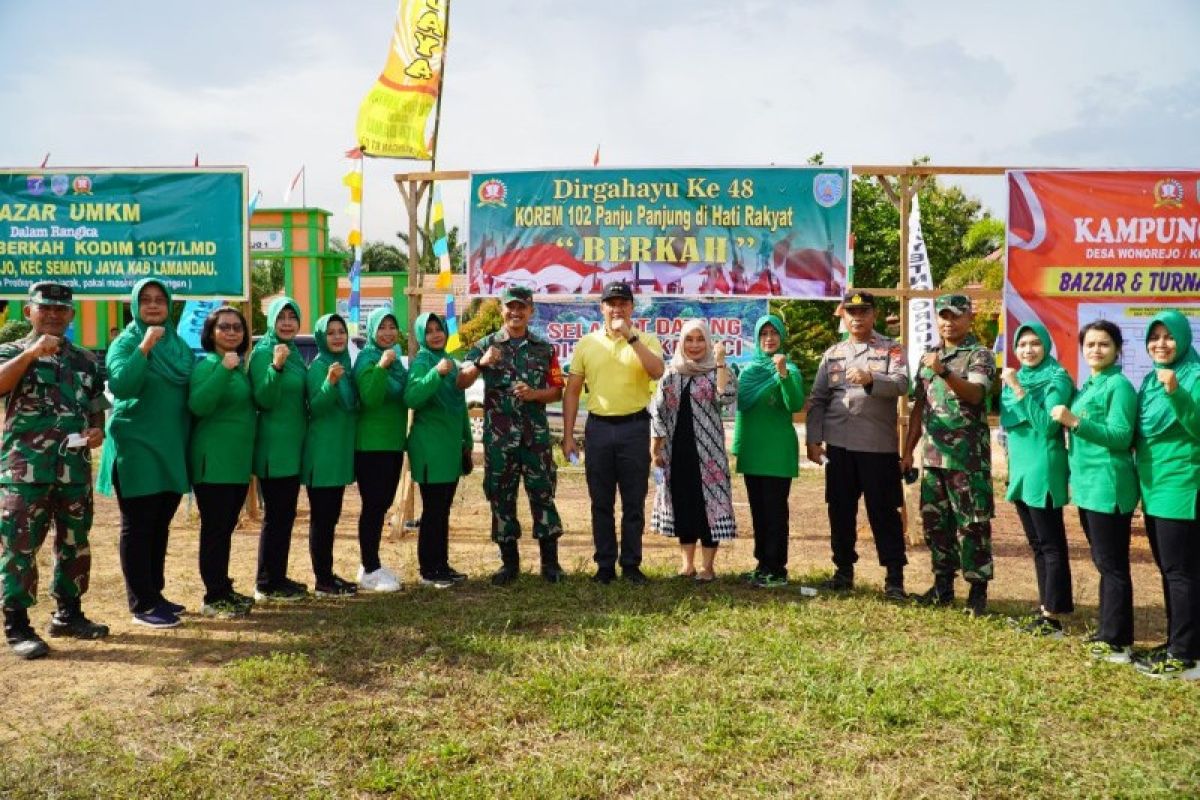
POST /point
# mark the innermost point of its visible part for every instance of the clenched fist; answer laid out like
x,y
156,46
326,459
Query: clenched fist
x,y
153,334
388,358
780,364
44,345
335,373
1167,378
444,366
279,355
230,360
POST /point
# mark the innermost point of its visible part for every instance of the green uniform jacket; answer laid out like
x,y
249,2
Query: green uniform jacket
x,y
148,429
1102,474
1168,455
764,438
441,430
382,414
222,444
329,439
1037,453
279,395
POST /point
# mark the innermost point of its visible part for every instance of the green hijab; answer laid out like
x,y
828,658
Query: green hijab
x,y
347,396
448,394
1035,380
1155,414
295,361
759,374
170,357
397,376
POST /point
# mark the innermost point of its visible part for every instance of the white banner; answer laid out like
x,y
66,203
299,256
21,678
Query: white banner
x,y
922,322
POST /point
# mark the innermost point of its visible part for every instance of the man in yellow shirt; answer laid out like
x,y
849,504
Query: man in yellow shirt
x,y
619,363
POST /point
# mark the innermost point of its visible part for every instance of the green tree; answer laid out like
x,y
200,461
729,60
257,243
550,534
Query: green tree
x,y
983,267
266,279
482,317
14,329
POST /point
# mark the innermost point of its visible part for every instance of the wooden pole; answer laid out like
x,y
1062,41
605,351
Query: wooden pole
x,y
411,191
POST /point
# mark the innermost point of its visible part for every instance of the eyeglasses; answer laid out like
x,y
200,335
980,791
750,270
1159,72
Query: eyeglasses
x,y
229,327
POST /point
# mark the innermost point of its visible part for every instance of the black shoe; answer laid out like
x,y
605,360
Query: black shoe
x,y
337,587
551,571
894,592
174,608
842,581
510,564
20,635
605,575
69,620
940,594
294,586
453,575
634,575
286,592
977,599
240,599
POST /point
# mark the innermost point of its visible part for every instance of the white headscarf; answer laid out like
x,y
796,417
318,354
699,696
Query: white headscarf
x,y
684,365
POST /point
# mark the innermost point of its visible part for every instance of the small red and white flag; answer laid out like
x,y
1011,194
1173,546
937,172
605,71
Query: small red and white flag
x,y
296,181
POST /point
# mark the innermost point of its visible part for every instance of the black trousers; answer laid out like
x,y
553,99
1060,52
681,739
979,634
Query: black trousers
x,y
378,475
279,515
1108,535
1175,544
617,458
325,507
433,534
851,474
769,514
1048,539
145,527
220,505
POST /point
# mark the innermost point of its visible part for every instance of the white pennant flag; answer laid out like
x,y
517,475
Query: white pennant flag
x,y
922,322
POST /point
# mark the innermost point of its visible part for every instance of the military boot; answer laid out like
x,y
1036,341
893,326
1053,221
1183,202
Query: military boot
x,y
23,642
551,571
977,599
69,620
893,584
941,593
510,564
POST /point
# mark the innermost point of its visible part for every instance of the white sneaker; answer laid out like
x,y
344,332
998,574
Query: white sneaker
x,y
380,580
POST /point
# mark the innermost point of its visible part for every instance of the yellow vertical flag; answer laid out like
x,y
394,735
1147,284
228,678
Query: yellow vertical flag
x,y
393,116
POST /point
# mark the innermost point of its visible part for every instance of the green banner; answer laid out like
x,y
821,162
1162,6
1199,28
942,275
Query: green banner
x,y
100,231
752,231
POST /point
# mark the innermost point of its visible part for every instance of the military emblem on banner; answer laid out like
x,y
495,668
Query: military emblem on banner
x,y
59,184
82,185
493,192
1168,193
35,184
827,189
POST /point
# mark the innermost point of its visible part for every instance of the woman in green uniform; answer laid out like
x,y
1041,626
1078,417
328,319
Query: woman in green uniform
x,y
438,446
328,463
1037,468
1104,485
220,452
770,391
145,453
277,376
382,434
1168,465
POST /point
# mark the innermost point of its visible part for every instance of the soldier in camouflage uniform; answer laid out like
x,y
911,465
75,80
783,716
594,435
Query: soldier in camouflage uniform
x,y
950,395
521,375
54,416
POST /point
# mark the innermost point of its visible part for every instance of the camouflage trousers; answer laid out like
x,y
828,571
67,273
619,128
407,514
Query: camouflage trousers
x,y
957,505
503,469
27,510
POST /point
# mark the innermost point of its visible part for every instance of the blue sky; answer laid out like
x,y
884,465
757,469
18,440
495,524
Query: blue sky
x,y
273,85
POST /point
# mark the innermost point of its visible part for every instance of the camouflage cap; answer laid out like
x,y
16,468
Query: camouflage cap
x,y
46,293
517,294
956,304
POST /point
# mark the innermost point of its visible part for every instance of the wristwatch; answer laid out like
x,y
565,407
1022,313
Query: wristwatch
x,y
945,371
633,339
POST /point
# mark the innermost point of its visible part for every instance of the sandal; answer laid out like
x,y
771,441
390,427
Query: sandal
x,y
686,575
705,577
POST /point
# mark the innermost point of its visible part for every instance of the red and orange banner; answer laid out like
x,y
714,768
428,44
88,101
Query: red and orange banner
x,y
394,115
1089,244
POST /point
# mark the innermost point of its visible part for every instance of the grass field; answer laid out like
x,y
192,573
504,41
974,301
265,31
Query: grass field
x,y
572,691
